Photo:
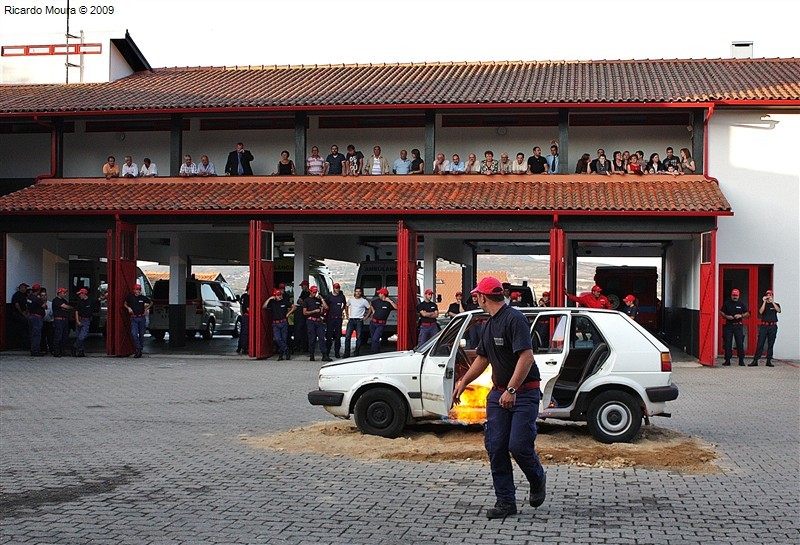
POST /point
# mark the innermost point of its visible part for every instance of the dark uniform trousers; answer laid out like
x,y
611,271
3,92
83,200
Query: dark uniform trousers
x,y
732,332
83,332
766,334
35,323
316,332
138,327
333,335
375,332
244,336
60,334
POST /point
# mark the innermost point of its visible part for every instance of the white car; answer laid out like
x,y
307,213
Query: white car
x,y
596,366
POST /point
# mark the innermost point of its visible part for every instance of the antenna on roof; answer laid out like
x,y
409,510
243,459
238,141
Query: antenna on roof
x,y
67,64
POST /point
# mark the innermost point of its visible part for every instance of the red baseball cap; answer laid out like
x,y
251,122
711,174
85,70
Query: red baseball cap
x,y
281,286
276,293
488,285
597,288
458,293
382,291
629,298
516,294
734,291
304,283
61,290
313,289
137,286
83,291
36,287
545,294
336,285
769,292
429,291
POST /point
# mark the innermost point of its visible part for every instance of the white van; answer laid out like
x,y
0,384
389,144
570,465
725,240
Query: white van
x,y
374,275
318,275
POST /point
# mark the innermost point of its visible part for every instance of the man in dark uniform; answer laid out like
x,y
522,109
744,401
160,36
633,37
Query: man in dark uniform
x,y
83,318
336,302
545,300
279,309
630,310
61,312
36,311
19,315
300,325
382,306
427,312
733,311
313,309
243,345
512,404
768,329
475,332
458,307
516,299
137,305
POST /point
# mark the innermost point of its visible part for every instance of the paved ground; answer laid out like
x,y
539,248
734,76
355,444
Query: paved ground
x,y
123,451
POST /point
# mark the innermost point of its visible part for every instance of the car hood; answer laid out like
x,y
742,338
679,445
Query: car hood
x,y
387,362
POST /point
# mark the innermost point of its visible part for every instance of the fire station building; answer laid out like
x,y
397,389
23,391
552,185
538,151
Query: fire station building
x,y
733,223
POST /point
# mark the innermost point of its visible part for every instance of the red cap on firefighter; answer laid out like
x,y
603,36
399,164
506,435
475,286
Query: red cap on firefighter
x,y
458,293
597,288
137,286
629,299
382,291
36,287
734,291
61,290
336,286
769,292
427,291
545,294
304,283
82,291
313,289
488,285
515,294
276,293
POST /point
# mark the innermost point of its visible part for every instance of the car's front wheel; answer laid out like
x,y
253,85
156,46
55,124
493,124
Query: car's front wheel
x,y
381,411
614,417
237,328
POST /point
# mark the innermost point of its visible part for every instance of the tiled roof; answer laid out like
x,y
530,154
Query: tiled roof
x,y
411,195
164,275
337,86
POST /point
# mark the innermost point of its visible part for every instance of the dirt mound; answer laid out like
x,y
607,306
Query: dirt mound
x,y
653,448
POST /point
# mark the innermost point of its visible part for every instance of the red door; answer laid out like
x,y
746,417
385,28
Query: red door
x,y
406,287
708,308
262,272
752,281
121,246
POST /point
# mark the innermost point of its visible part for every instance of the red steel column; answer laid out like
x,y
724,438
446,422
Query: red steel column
x,y
262,278
121,254
406,287
708,299
558,255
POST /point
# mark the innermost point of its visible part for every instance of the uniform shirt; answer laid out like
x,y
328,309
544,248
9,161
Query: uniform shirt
x,y
36,306
137,303
336,304
469,305
732,308
313,303
20,299
770,314
85,308
427,306
59,312
517,303
335,163
278,308
381,309
536,164
505,335
359,307
633,311
244,303
455,308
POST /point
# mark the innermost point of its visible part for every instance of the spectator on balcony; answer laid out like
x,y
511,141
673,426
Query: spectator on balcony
x,y
583,165
654,165
489,166
504,166
553,160
334,162
238,163
285,165
417,164
148,169
472,166
519,166
206,167
593,164
672,163
617,164
355,161
603,166
111,168
441,165
188,168
315,164
687,163
634,167
626,158
402,165
457,166
129,168
639,157
536,163
376,164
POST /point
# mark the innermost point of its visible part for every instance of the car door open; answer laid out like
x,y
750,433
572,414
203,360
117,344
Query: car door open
x,y
548,335
438,368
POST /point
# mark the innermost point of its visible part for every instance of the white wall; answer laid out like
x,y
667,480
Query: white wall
x,y
755,163
682,274
35,261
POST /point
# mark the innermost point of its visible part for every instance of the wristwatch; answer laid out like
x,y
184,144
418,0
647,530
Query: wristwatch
x,y
511,390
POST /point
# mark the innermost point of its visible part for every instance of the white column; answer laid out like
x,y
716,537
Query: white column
x,y
177,271
300,262
429,264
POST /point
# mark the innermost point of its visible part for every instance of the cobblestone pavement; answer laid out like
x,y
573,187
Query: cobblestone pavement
x,y
123,451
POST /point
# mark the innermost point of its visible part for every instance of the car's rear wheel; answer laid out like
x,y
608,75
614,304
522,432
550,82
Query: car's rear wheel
x,y
208,332
614,417
381,411
237,328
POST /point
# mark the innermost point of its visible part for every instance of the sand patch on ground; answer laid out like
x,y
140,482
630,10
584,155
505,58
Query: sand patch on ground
x,y
557,443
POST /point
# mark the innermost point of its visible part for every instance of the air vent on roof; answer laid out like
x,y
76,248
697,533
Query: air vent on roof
x,y
742,50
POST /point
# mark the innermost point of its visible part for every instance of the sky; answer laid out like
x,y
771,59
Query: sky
x,y
267,32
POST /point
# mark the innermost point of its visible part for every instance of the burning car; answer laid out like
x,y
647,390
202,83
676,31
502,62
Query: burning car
x,y
596,366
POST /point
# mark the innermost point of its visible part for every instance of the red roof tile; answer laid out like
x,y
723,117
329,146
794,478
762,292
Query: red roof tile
x,y
411,195
290,87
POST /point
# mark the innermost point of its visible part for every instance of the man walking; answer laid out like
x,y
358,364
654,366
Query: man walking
x,y
279,309
733,311
768,329
137,305
83,318
512,404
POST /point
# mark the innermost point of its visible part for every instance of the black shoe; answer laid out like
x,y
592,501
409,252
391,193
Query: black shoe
x,y
726,363
501,509
753,364
311,358
81,354
769,364
138,354
338,355
326,358
538,493
741,363
280,357
346,355
37,354
288,355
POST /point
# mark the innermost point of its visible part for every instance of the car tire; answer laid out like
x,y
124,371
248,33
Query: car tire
x,y
614,417
208,331
237,328
381,411
158,335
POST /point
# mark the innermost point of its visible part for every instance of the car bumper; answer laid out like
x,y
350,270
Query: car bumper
x,y
661,394
326,399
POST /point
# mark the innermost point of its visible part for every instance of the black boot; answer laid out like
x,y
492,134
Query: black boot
x,y
501,509
311,358
753,363
138,354
81,354
326,357
288,355
769,364
280,356
538,492
726,363
346,354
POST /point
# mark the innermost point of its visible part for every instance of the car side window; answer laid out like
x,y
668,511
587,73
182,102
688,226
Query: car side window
x,y
548,334
584,333
229,296
449,339
208,293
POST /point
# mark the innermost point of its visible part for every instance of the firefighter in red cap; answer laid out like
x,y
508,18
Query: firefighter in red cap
x,y
37,308
243,345
733,311
336,302
512,405
768,329
314,307
83,318
516,299
300,329
381,306
279,309
545,299
137,305
591,300
631,310
61,313
427,311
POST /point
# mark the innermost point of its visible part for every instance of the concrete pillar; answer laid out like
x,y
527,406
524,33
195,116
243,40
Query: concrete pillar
x,y
300,262
563,141
429,155
429,264
300,136
175,148
177,292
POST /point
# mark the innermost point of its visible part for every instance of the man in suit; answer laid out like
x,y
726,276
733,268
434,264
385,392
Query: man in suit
x,y
239,162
